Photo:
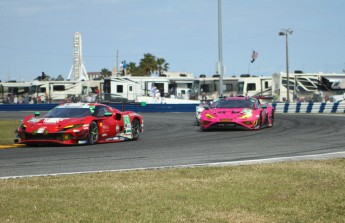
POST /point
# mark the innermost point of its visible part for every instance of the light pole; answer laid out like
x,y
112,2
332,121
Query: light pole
x,y
220,52
286,32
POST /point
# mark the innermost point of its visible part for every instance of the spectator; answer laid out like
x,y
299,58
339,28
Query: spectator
x,y
15,99
97,94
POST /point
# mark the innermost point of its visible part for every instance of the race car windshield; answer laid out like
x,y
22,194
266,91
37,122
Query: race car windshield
x,y
233,104
68,113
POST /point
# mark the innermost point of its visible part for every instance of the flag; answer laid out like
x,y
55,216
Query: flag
x,y
254,56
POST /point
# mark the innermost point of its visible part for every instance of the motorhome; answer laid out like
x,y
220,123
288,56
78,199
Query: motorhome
x,y
254,86
47,91
132,88
315,87
209,86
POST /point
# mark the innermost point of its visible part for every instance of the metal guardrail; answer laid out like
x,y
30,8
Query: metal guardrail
x,y
310,107
306,107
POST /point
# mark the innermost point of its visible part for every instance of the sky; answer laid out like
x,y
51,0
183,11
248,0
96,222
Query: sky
x,y
37,35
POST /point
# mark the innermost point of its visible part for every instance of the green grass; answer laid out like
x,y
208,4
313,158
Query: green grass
x,y
311,191
8,126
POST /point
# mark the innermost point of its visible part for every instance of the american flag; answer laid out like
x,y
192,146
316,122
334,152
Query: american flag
x,y
254,56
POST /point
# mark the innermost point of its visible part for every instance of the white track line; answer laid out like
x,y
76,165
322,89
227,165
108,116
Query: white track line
x,y
324,156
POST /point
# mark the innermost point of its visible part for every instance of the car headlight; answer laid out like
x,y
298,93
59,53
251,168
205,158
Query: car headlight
x,y
73,126
209,116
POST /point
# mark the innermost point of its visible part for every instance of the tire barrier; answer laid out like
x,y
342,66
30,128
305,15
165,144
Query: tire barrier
x,y
305,107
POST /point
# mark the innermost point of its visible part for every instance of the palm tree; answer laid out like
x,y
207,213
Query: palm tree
x,y
162,65
133,69
148,64
105,73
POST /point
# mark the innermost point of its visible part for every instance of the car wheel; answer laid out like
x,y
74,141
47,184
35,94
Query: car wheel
x,y
135,129
259,126
272,119
92,137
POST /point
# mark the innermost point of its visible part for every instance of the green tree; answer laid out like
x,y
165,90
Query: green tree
x,y
162,65
60,78
133,69
148,64
105,73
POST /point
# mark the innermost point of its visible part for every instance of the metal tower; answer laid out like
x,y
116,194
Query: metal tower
x,y
78,71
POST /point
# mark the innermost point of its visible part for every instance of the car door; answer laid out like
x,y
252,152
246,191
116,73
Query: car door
x,y
263,112
106,122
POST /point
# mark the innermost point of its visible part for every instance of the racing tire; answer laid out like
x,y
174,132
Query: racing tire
x,y
92,137
272,120
135,129
259,126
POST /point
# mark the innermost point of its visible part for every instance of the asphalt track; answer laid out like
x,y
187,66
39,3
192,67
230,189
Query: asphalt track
x,y
173,140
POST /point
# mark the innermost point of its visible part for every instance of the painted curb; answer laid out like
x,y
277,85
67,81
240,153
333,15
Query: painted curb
x,y
11,146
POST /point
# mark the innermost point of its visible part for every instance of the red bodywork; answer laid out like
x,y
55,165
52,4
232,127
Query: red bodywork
x,y
89,123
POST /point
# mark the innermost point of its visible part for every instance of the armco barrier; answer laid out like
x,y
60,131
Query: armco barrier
x,y
310,107
307,107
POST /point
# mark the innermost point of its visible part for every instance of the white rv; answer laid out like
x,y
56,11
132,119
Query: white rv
x,y
254,86
48,91
315,87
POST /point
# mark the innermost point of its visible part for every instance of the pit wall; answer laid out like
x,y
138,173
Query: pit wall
x,y
308,107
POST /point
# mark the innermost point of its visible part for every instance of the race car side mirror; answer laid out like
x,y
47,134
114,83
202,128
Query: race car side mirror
x,y
206,107
263,106
37,114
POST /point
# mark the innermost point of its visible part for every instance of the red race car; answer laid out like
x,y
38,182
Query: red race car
x,y
237,112
80,123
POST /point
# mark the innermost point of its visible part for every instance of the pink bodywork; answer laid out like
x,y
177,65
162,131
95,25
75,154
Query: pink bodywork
x,y
256,117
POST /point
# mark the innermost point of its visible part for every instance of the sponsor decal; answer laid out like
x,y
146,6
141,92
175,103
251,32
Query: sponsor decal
x,y
133,114
105,127
126,119
116,139
74,105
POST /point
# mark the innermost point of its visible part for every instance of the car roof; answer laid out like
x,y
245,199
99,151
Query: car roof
x,y
239,98
79,105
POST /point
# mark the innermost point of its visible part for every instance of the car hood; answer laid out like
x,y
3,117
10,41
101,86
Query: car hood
x,y
51,124
229,112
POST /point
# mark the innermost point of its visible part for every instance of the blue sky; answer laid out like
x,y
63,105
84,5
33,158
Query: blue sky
x,y
37,35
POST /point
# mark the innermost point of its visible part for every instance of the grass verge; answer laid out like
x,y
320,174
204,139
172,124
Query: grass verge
x,y
8,126
311,191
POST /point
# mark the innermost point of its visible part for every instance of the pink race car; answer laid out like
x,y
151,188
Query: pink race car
x,y
237,113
